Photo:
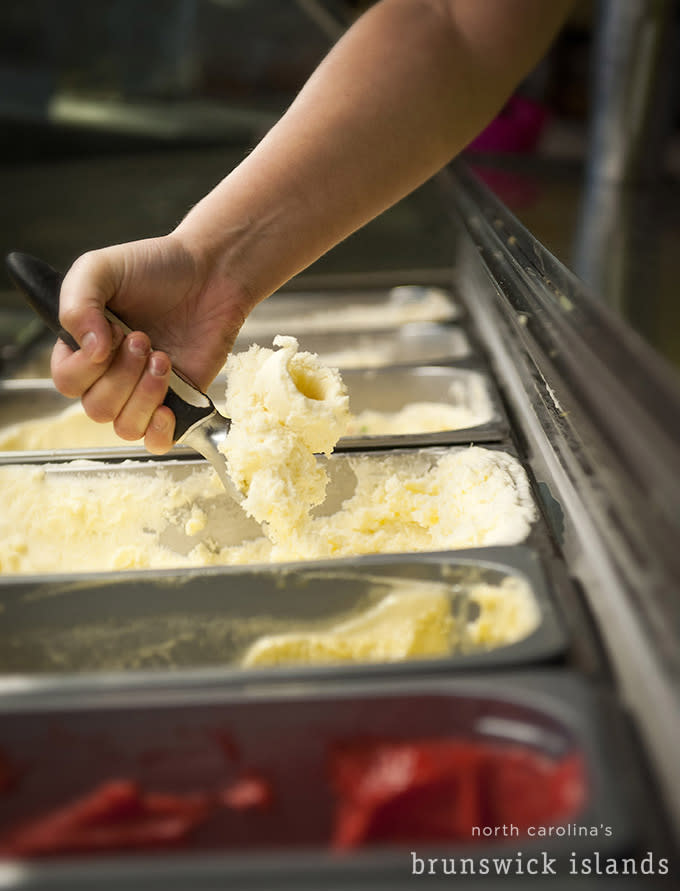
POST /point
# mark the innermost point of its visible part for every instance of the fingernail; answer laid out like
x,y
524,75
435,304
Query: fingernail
x,y
158,365
138,347
159,423
89,343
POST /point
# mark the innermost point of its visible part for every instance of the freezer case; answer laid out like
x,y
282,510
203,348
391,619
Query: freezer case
x,y
390,406
591,417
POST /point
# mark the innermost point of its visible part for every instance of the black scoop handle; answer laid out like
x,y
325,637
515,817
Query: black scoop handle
x,y
40,285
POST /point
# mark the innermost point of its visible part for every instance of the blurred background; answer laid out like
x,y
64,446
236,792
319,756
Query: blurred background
x,y
116,116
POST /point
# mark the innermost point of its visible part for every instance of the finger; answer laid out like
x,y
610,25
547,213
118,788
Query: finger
x,y
136,414
159,433
73,372
108,394
93,279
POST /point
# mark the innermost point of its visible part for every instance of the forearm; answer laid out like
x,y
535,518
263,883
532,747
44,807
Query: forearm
x,y
402,93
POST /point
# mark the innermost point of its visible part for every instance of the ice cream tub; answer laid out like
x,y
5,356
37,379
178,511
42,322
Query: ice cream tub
x,y
346,781
300,313
415,343
390,406
423,405
455,611
75,517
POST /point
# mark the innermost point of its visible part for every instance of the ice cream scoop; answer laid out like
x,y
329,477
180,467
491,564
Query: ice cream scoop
x,y
198,424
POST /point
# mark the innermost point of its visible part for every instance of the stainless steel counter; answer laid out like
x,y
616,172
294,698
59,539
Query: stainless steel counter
x,y
600,416
620,239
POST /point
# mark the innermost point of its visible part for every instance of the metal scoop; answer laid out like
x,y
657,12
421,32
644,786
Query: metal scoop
x,y
198,424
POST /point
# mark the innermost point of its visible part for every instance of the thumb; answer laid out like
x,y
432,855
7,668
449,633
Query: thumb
x,y
87,287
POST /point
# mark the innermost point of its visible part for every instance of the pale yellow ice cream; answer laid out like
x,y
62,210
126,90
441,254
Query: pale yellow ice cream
x,y
507,613
80,518
418,417
402,305
396,619
72,429
406,501
404,625
284,406
468,405
370,355
68,429
414,621
275,389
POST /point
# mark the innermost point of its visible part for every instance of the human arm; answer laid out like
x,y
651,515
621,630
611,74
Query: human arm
x,y
404,90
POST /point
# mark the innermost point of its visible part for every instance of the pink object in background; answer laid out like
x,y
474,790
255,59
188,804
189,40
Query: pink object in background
x,y
517,128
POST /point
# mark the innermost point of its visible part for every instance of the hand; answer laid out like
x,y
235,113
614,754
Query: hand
x,y
170,297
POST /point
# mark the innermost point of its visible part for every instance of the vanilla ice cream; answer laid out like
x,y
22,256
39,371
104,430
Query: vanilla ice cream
x,y
406,624
468,404
414,621
506,613
370,355
406,501
72,429
68,429
284,406
402,305
417,417
80,517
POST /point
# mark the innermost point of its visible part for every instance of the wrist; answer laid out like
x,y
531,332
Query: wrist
x,y
219,254
213,271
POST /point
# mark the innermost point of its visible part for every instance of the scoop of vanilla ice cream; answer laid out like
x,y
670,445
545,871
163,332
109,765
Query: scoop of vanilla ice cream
x,y
299,392
284,406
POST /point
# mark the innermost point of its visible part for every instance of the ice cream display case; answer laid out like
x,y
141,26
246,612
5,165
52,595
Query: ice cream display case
x,y
467,672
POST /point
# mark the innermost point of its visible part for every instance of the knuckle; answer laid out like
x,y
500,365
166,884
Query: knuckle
x,y
85,264
153,389
66,388
81,280
156,444
65,383
100,411
127,430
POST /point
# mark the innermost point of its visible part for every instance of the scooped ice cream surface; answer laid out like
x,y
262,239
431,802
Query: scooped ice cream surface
x,y
405,624
284,406
417,619
68,429
92,517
